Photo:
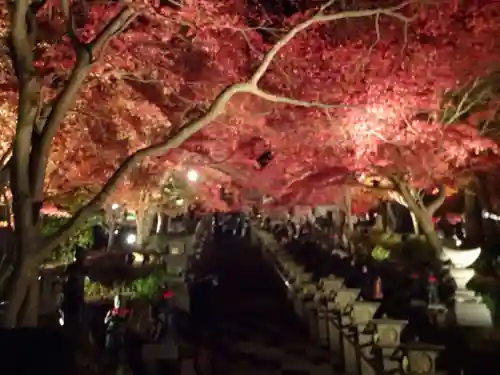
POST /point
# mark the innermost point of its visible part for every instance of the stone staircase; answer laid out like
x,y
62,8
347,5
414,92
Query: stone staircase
x,y
258,331
251,349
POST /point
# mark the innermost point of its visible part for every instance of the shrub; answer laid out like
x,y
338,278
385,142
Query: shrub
x,y
84,237
380,253
148,286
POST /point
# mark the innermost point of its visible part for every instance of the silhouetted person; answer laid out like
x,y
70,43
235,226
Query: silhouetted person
x,y
116,321
432,289
74,294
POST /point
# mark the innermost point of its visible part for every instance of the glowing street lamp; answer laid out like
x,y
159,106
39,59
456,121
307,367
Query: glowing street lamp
x,y
115,206
192,175
131,239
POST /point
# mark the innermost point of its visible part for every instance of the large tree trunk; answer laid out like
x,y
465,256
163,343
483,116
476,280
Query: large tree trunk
x,y
38,120
23,295
7,259
23,290
28,316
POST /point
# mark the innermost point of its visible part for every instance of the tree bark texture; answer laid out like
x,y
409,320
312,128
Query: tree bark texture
x,y
423,213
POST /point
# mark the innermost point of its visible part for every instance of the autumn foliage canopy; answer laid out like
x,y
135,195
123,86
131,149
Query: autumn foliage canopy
x,y
359,96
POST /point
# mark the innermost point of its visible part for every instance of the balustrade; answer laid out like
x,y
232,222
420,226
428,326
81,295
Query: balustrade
x,y
469,310
337,319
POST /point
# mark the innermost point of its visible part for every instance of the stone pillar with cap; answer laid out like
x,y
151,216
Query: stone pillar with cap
x,y
305,304
297,277
344,301
328,289
388,340
362,314
336,309
361,343
420,358
301,280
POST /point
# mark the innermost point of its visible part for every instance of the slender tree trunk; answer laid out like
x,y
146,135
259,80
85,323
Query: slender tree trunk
x,y
112,217
348,211
168,224
379,223
384,213
473,227
111,236
144,222
144,218
391,217
424,220
414,221
159,222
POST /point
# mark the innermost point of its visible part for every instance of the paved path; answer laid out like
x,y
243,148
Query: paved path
x,y
258,333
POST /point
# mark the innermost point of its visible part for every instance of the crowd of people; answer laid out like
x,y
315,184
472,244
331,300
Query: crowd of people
x,y
324,252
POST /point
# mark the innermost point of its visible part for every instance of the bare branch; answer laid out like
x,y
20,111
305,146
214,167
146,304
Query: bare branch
x,y
21,46
4,159
70,24
5,163
320,17
296,102
67,96
116,26
438,201
29,92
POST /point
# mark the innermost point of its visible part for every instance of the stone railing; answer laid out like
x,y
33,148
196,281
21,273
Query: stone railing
x,y
337,319
469,310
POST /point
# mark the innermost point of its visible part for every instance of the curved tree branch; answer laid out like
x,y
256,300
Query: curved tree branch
x,y
67,96
438,200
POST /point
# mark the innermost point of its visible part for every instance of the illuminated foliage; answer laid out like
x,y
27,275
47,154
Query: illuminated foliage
x,y
106,86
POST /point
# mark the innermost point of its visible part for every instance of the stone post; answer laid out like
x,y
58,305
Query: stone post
x,y
388,340
329,287
298,282
420,358
345,299
305,304
357,347
362,314
293,274
470,310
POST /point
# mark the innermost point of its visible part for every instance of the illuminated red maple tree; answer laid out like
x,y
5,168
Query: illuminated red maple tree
x,y
188,66
390,120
